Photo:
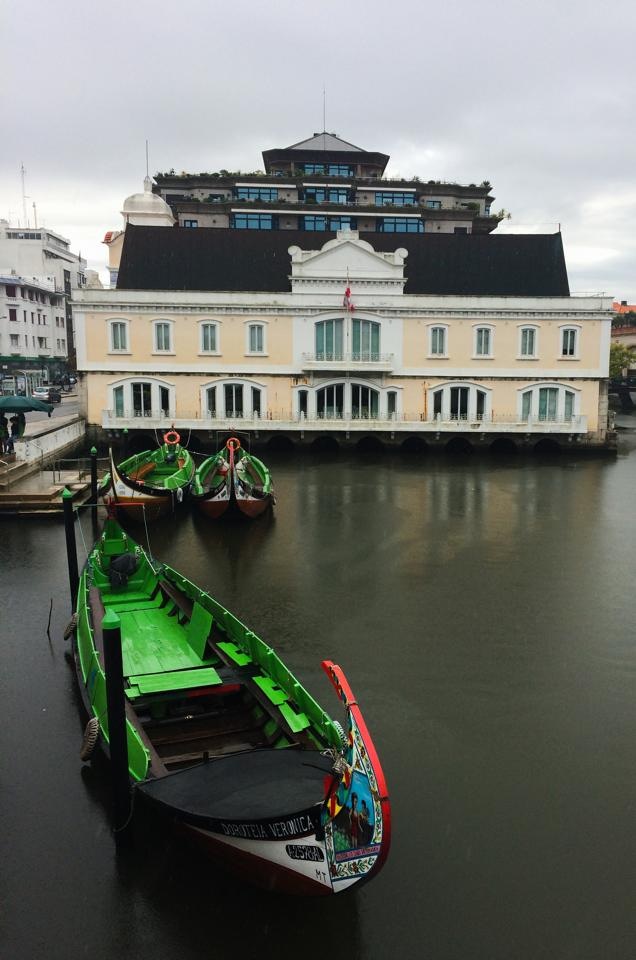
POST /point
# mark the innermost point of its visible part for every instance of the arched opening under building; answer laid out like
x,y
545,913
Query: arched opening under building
x,y
547,448
503,447
370,446
325,446
414,446
280,444
459,447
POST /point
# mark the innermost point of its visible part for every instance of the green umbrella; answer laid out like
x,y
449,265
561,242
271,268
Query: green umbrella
x,y
24,405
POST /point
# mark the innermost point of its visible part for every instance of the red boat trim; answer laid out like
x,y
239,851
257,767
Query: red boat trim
x,y
344,691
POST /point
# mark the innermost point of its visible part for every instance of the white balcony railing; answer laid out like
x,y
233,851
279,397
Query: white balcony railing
x,y
348,420
339,360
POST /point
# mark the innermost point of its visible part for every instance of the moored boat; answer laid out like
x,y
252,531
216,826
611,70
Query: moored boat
x,y
220,734
152,482
252,483
233,478
212,486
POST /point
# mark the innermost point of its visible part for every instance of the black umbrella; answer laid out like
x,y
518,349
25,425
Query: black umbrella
x,y
24,405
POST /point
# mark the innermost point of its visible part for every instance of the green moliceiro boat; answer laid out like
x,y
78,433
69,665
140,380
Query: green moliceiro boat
x,y
220,734
232,478
154,480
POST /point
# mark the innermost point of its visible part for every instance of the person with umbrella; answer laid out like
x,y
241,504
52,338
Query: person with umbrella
x,y
4,432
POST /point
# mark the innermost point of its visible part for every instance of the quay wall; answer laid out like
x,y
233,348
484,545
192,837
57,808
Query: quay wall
x,y
51,441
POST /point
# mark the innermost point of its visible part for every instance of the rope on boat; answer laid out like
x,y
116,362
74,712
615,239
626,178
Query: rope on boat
x,y
91,734
339,763
344,739
70,627
143,511
124,826
79,524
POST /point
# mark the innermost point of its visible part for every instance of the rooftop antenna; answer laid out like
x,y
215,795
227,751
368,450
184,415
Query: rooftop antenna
x,y
324,108
147,173
24,196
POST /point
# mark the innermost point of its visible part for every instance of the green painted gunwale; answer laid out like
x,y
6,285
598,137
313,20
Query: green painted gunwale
x,y
208,465
168,476
204,470
263,473
154,644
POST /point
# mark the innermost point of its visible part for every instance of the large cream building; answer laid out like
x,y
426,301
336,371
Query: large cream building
x,y
461,336
469,338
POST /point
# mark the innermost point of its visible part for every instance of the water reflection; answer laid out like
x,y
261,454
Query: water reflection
x,y
483,612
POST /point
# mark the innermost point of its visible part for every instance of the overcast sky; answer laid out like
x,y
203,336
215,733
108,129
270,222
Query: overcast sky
x,y
536,97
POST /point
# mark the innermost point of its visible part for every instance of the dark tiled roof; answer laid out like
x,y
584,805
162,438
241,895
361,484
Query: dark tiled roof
x,y
164,258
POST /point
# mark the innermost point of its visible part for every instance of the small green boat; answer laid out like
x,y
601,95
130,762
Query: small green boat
x,y
233,477
154,480
221,736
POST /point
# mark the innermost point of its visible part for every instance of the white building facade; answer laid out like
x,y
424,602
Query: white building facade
x,y
40,256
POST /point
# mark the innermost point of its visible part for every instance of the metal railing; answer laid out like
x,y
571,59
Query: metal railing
x,y
339,356
382,421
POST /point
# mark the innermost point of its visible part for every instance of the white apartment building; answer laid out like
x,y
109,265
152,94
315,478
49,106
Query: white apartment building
x,y
40,256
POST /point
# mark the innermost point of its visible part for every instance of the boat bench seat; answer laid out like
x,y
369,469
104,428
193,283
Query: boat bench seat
x,y
128,604
296,721
173,680
143,471
125,598
184,603
234,653
272,691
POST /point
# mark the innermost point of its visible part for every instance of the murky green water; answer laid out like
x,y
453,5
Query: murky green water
x,y
484,613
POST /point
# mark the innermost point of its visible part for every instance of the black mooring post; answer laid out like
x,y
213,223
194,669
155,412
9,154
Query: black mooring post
x,y
71,546
94,485
125,442
116,709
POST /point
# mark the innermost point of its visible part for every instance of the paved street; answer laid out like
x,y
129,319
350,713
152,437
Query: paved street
x,y
67,408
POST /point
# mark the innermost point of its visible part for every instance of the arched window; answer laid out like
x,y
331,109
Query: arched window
x,y
142,397
330,402
549,403
233,399
329,339
459,401
365,339
210,405
365,402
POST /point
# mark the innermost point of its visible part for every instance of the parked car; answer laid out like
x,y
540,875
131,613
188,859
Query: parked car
x,y
47,394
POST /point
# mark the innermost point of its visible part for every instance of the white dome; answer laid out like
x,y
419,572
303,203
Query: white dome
x,y
147,209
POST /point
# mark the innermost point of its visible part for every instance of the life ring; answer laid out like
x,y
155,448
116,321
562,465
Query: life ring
x,y
233,444
171,438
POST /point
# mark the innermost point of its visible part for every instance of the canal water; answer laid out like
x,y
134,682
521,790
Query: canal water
x,y
484,614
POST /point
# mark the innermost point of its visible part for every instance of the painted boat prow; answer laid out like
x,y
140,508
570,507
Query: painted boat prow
x,y
356,847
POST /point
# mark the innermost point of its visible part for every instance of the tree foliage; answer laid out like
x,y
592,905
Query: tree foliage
x,y
621,358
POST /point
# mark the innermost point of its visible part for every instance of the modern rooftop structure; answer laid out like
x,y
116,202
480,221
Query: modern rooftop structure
x,y
324,184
